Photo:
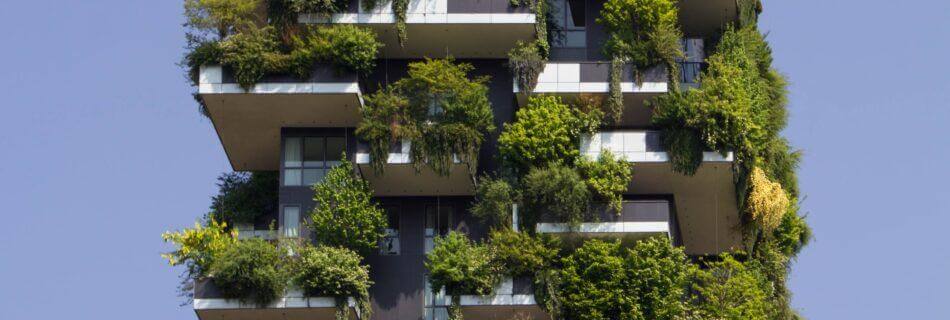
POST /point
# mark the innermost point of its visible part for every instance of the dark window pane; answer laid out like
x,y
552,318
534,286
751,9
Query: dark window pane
x,y
577,12
335,148
313,149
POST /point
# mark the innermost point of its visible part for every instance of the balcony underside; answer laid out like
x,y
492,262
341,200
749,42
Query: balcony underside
x,y
636,113
323,313
705,17
403,180
705,203
209,304
502,307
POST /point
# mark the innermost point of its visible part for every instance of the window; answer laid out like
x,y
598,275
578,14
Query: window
x,y
307,159
291,221
389,244
570,20
438,222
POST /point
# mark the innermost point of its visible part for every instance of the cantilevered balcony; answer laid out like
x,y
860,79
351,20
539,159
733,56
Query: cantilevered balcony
x,y
700,18
705,204
638,219
400,177
512,299
209,304
437,28
248,122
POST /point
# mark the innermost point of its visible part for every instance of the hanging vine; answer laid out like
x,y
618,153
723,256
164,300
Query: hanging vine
x,y
400,7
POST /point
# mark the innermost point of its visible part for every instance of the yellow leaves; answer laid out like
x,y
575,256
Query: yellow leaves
x,y
196,246
767,201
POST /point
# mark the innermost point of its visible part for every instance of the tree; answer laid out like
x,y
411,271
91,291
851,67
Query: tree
x,y
345,215
728,289
493,203
592,281
608,178
461,267
220,17
196,248
545,131
242,197
557,191
250,269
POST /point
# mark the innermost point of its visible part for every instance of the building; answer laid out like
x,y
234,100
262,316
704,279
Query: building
x,y
299,127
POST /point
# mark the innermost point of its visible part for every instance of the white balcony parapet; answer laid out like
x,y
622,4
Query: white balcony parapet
x,y
210,81
607,227
504,296
418,12
399,157
293,299
634,146
566,78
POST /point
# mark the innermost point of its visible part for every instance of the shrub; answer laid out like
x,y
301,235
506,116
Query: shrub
x,y
317,6
728,289
526,63
608,178
592,283
439,108
545,131
658,277
346,46
521,254
557,191
252,54
345,215
493,201
333,272
242,197
250,270
767,202
793,233
461,267
196,248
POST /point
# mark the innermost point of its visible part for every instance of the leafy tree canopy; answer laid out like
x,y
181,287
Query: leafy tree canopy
x,y
345,215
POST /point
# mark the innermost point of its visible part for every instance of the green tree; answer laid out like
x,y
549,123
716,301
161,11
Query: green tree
x,y
195,248
521,254
545,131
333,272
493,202
220,17
345,215
728,289
242,197
557,191
658,277
250,270
461,266
592,283
608,178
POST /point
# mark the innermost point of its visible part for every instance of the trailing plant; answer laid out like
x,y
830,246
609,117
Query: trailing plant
x,y
444,112
526,63
521,254
493,203
545,131
195,248
243,197
608,178
400,8
614,104
345,214
333,272
461,266
767,201
557,191
250,270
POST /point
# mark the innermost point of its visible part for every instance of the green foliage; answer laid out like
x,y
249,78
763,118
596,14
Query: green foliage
x,y
767,202
444,112
347,46
558,191
400,8
208,52
614,102
345,215
220,18
793,233
250,270
196,248
608,178
729,289
739,106
242,197
546,131
521,254
333,272
317,6
526,63
493,202
461,266
601,280
644,32
749,11
252,54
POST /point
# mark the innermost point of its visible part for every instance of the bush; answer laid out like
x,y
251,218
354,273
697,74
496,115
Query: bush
x,y
557,191
521,254
250,270
545,131
493,203
345,46
219,17
526,63
658,277
729,289
333,272
317,6
242,197
461,266
608,178
767,202
644,32
196,248
252,54
439,108
592,283
793,233
345,215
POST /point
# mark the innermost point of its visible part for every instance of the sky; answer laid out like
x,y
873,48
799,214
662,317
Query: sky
x,y
102,149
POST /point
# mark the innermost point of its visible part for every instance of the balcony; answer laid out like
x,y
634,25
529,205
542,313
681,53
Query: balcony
x,y
210,305
436,28
639,219
400,178
706,17
704,204
249,122
513,299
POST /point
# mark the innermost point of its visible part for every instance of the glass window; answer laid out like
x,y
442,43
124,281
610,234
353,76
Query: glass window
x,y
570,19
291,221
307,159
389,244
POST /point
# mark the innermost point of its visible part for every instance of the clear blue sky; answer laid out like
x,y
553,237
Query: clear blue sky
x,y
102,149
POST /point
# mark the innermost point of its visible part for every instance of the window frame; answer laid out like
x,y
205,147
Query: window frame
x,y
302,151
